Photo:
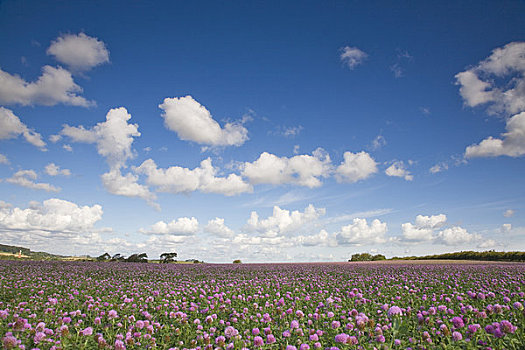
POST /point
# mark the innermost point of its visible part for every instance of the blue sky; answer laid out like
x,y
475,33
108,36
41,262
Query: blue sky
x,y
264,131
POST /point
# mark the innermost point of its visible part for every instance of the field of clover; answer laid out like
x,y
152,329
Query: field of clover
x,y
59,305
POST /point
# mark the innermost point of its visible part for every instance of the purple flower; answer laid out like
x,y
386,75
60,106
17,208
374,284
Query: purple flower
x,y
458,322
457,336
119,345
86,331
394,310
230,332
473,328
112,314
258,341
9,341
341,338
508,327
39,336
220,340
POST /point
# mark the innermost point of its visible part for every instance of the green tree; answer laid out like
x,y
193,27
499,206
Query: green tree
x,y
104,257
167,257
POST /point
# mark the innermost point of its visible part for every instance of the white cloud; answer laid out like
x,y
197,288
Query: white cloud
x,y
217,227
378,142
439,167
424,228
12,127
456,236
478,84
505,228
55,138
180,227
355,167
3,159
323,238
302,170
67,148
193,122
54,86
113,137
488,243
508,213
359,232
115,183
54,170
511,143
79,51
26,178
352,56
53,215
398,169
282,221
176,179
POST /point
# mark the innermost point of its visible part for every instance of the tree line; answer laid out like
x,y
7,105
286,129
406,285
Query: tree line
x,y
165,258
489,255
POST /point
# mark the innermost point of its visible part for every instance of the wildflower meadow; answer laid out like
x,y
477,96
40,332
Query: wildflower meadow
x,y
87,305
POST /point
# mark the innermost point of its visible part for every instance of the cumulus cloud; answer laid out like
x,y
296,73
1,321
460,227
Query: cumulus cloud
x,y
323,238
3,159
12,127
355,167
282,221
113,137
479,84
508,213
398,169
54,170
456,236
218,228
511,143
193,122
127,185
302,170
53,215
423,229
177,179
352,56
359,232
79,52
180,227
26,178
427,229
54,86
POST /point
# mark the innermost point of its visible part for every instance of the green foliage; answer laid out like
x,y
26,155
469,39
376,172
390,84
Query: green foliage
x,y
237,261
138,258
490,255
13,249
167,257
367,257
104,257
